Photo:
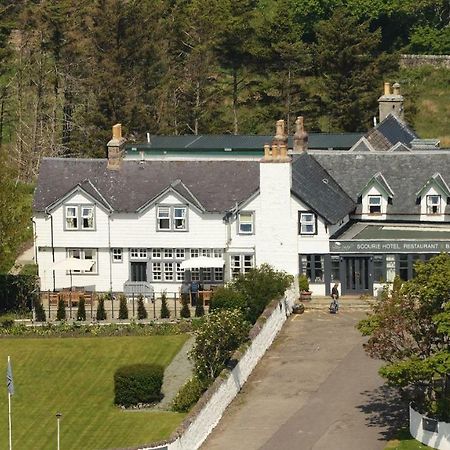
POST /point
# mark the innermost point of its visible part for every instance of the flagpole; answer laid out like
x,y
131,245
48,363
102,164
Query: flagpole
x,y
9,412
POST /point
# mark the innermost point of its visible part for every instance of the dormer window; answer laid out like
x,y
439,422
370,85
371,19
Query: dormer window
x,y
171,218
307,223
433,204
79,217
245,222
374,204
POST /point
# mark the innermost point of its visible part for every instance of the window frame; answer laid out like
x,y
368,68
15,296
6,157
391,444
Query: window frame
x,y
79,216
241,264
369,205
311,266
138,253
172,218
301,223
82,256
429,205
83,217
115,252
251,222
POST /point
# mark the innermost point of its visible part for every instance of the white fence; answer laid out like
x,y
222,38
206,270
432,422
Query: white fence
x,y
421,428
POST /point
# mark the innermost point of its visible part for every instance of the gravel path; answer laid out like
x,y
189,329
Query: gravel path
x,y
176,374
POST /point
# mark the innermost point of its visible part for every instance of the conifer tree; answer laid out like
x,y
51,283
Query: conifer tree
x,y
185,311
199,308
39,312
61,312
142,312
165,313
101,313
81,312
123,308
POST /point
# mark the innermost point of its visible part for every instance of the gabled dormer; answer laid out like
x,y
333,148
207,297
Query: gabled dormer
x,y
362,145
375,196
433,197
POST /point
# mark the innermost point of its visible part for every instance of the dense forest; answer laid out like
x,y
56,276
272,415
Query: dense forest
x,y
70,69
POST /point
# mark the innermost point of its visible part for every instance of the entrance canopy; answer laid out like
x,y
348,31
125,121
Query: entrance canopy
x,y
202,262
70,264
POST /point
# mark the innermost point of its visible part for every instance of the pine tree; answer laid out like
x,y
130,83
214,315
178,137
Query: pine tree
x,y
142,312
101,313
81,313
61,312
185,311
123,308
39,312
165,313
199,308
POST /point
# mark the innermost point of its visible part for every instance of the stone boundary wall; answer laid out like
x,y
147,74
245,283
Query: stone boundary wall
x,y
436,61
206,414
439,439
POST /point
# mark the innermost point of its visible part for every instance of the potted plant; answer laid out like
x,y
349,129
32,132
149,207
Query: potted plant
x,y
303,285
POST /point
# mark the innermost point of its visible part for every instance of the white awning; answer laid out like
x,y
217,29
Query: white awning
x,y
73,264
202,262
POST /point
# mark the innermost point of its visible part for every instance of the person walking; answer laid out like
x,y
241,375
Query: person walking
x,y
334,307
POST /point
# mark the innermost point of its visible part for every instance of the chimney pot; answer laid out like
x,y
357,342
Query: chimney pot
x,y
267,155
283,152
396,87
280,135
117,131
300,136
275,154
387,88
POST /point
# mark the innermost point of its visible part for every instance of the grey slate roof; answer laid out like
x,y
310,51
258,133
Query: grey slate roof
x,y
341,141
405,173
315,187
390,131
217,185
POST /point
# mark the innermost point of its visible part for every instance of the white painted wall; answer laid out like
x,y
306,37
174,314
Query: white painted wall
x,y
276,222
433,190
439,440
201,425
373,190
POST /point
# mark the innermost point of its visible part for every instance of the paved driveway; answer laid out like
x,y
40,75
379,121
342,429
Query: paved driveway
x,y
314,389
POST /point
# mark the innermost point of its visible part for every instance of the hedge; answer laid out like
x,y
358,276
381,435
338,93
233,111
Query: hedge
x,y
17,292
138,383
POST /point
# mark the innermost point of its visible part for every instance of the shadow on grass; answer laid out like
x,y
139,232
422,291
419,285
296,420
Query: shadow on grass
x,y
385,409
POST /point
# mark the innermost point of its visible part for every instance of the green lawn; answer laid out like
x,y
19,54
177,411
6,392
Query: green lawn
x,y
405,442
75,376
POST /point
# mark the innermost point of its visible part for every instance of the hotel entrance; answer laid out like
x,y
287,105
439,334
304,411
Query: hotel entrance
x,y
357,276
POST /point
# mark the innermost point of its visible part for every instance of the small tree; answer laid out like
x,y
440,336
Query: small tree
x,y
185,311
123,308
165,313
142,312
216,340
199,308
81,313
39,312
101,313
61,312
303,283
226,297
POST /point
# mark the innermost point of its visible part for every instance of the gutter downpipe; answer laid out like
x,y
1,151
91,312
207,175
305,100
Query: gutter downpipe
x,y
53,248
109,252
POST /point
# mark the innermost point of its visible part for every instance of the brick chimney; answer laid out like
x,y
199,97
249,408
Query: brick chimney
x,y
280,137
391,102
300,136
115,148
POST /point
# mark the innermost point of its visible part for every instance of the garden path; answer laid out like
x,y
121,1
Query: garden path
x,y
176,374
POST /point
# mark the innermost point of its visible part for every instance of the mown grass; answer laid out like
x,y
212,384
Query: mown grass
x,y
75,376
405,441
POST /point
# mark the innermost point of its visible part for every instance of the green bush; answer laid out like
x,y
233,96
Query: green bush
x,y
303,283
61,312
216,339
199,308
123,308
259,286
101,313
138,383
225,297
81,313
188,395
39,312
142,312
185,312
165,313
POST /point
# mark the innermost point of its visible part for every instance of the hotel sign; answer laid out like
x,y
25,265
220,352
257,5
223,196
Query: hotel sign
x,y
389,246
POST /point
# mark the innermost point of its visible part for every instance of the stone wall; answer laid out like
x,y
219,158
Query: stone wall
x,y
436,61
208,411
439,439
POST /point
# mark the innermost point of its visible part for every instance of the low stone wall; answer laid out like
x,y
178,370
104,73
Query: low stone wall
x,y
425,60
439,439
208,411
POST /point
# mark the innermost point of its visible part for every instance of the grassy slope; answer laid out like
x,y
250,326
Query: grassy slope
x,y
405,442
75,376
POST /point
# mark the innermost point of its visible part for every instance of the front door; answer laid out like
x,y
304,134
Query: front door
x,y
138,271
357,275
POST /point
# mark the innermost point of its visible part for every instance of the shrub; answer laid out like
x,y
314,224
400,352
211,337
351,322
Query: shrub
x,y
220,334
101,313
165,313
138,383
303,283
225,297
199,308
142,312
81,313
259,286
39,312
185,311
61,312
123,308
188,395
